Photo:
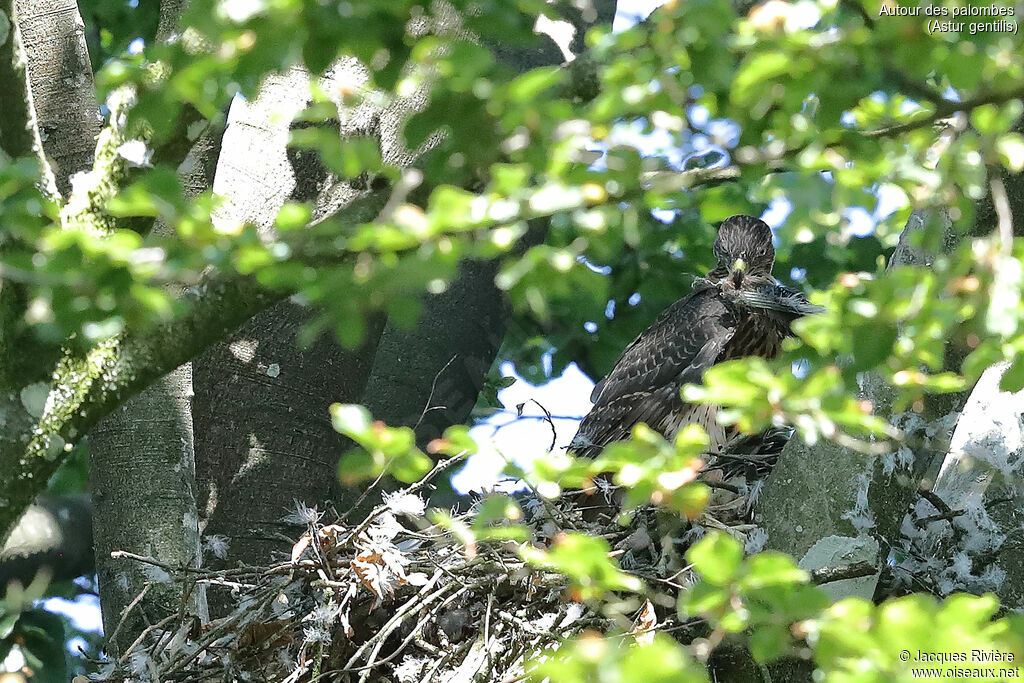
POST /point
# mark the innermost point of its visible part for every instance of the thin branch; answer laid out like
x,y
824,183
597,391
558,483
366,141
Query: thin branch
x,y
364,495
414,488
430,397
128,610
915,88
868,20
952,514
856,570
145,632
946,108
547,418
935,500
721,485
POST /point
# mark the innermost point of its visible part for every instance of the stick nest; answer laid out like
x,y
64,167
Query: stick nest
x,y
399,598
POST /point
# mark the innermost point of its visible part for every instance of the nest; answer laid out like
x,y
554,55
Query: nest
x,y
399,598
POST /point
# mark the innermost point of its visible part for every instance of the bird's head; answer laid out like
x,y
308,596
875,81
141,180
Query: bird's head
x,y
744,250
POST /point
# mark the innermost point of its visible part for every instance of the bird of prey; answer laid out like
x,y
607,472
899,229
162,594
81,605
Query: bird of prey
x,y
738,309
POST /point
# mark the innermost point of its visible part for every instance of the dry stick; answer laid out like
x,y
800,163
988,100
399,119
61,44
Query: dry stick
x,y
372,664
127,610
119,554
952,514
420,599
525,626
857,570
425,646
409,490
145,632
721,485
363,496
437,665
487,631
218,631
430,397
551,423
935,500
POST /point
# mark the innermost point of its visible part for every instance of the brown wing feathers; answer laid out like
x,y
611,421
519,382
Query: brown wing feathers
x,y
644,385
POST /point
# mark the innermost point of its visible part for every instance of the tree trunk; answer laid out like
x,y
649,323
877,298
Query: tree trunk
x,y
246,432
982,476
143,482
62,85
263,435
429,377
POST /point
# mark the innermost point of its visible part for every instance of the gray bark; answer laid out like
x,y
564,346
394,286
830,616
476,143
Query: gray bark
x,y
19,135
143,476
245,431
62,85
262,431
429,377
143,462
143,482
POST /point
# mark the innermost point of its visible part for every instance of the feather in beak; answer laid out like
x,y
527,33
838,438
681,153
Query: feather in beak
x,y
739,267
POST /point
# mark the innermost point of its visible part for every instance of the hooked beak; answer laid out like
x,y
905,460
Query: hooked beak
x,y
739,268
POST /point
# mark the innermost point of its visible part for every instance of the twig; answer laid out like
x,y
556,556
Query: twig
x,y
912,87
401,647
547,418
127,610
857,570
382,508
487,630
146,559
142,636
430,396
364,495
945,108
421,599
925,521
935,500
523,625
869,21
721,485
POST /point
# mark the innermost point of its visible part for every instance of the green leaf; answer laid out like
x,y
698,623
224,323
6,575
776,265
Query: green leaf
x,y
769,642
351,420
771,569
716,557
755,74
356,466
1013,378
42,644
584,559
689,500
7,622
531,84
872,343
702,598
